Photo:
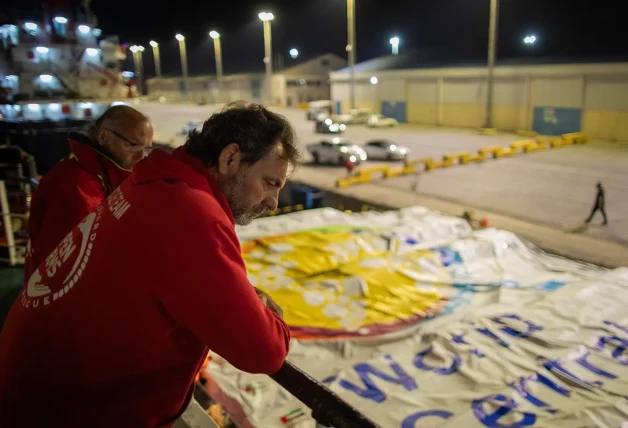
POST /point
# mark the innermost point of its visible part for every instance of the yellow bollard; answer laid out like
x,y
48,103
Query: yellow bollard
x,y
461,157
490,151
487,131
522,145
505,151
432,164
299,207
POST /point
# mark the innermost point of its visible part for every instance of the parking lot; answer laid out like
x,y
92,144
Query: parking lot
x,y
554,188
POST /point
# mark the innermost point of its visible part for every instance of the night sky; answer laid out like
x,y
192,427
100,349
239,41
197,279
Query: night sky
x,y
564,28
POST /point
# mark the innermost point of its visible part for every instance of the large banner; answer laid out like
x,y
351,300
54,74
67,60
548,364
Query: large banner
x,y
419,322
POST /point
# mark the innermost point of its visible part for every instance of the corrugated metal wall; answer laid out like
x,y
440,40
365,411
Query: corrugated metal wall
x,y
543,98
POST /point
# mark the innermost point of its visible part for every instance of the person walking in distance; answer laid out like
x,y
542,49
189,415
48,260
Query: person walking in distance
x,y
349,166
600,202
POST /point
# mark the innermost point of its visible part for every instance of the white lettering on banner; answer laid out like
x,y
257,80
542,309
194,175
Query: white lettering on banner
x,y
38,288
490,410
118,205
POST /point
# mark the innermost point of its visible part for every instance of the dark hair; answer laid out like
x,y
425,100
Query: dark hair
x,y
254,128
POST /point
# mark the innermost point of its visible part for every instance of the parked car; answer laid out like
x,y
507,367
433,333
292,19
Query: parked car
x,y
318,108
336,151
356,116
385,150
189,127
380,121
328,126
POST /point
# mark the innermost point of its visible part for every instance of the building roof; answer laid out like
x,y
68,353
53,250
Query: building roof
x,y
425,60
311,65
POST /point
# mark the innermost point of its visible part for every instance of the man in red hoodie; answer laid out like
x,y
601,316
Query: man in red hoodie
x,y
97,164
113,326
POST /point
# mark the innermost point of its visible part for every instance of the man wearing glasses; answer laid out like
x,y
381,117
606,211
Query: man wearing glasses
x,y
97,164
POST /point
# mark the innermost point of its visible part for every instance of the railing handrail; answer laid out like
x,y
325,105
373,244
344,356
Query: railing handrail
x,y
327,407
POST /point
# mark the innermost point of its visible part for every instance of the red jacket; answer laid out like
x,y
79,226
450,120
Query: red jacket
x,y
70,191
112,328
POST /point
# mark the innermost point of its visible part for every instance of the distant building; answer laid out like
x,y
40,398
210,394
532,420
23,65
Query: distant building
x,y
302,83
547,96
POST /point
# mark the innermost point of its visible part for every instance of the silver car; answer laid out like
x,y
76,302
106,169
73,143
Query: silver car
x,y
386,150
336,151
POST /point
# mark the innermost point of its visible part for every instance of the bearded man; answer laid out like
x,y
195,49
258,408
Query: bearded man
x,y
115,323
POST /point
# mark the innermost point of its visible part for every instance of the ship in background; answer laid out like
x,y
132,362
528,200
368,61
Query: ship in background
x,y
55,63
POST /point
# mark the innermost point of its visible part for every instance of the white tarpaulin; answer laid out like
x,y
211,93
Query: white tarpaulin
x,y
508,337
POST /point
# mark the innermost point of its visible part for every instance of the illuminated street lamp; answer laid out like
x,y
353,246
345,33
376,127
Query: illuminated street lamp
x,y
218,56
137,62
294,53
268,51
394,41
184,62
156,57
42,49
529,40
374,80
30,26
61,20
84,29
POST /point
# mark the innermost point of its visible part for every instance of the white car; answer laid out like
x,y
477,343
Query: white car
x,y
386,150
381,121
335,151
356,116
190,126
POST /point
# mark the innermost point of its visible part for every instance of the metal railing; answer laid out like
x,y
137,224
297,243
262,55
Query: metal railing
x,y
8,216
328,409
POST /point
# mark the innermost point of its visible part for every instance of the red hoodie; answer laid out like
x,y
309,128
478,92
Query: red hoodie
x,y
114,325
70,191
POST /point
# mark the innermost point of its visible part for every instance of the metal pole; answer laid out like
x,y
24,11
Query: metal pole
x,y
8,224
218,54
268,49
184,65
351,49
492,54
138,71
157,61
141,63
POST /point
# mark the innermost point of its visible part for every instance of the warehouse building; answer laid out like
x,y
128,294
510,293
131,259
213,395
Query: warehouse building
x,y
549,98
302,83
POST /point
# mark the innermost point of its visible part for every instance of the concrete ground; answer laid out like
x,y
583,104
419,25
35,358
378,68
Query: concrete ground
x,y
423,141
544,194
554,188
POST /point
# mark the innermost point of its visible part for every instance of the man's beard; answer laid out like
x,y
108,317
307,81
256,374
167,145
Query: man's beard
x,y
233,189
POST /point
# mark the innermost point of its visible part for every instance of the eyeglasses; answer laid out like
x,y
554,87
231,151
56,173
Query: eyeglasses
x,y
134,146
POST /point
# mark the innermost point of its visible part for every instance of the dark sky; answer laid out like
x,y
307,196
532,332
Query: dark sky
x,y
563,27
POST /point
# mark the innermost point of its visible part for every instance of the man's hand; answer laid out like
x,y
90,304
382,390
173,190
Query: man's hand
x,y
269,302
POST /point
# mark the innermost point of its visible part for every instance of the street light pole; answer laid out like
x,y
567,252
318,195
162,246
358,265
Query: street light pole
x,y
137,64
218,54
184,62
492,54
351,49
268,52
156,57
